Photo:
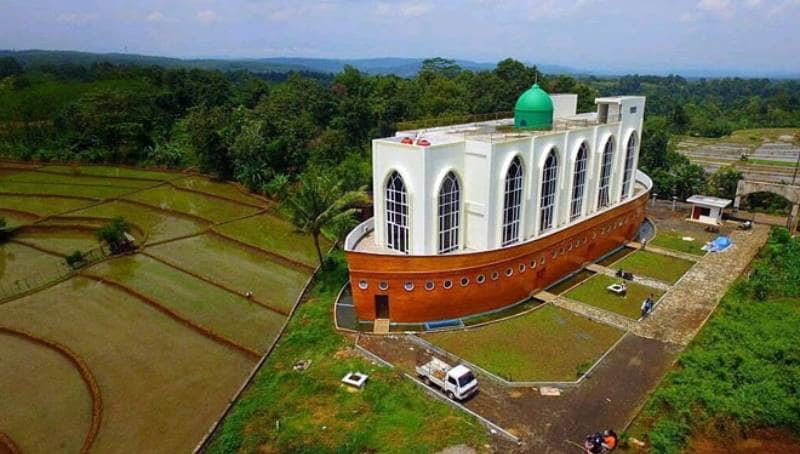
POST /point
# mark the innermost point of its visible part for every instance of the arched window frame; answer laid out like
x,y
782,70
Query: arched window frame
x,y
627,174
579,182
396,213
449,203
604,185
512,202
547,200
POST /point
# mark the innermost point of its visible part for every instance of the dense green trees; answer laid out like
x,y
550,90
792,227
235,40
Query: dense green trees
x,y
264,130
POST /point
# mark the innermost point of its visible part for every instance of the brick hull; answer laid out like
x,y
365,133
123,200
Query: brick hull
x,y
494,279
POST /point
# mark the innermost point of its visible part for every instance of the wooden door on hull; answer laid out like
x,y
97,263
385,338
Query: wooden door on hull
x,y
381,306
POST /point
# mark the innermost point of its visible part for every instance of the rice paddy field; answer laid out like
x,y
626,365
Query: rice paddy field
x,y
546,344
167,333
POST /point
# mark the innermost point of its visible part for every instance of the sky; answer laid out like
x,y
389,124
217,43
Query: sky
x,y
634,35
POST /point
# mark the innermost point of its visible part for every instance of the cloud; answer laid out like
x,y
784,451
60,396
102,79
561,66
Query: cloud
x,y
77,18
155,16
207,16
718,7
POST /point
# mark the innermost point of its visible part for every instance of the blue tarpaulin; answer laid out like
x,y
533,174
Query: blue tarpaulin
x,y
719,244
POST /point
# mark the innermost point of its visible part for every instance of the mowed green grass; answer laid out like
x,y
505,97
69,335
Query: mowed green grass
x,y
547,344
209,208
275,235
221,188
390,415
672,239
159,225
209,306
236,268
43,393
55,178
58,189
162,383
657,266
63,241
20,263
116,172
594,291
41,206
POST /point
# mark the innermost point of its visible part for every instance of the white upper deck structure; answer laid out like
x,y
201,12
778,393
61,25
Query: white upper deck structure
x,y
487,185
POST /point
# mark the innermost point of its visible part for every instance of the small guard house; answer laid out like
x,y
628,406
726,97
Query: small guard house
x,y
707,209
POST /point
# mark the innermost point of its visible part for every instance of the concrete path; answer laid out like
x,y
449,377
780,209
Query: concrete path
x,y
649,282
671,253
684,309
595,313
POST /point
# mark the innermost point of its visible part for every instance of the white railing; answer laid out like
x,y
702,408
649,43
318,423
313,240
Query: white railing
x,y
358,233
644,179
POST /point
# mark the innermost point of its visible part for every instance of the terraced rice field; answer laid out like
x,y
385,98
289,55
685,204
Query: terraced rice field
x,y
167,333
191,203
159,225
240,269
276,235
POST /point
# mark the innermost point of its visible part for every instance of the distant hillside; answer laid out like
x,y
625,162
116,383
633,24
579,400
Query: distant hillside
x,y
403,67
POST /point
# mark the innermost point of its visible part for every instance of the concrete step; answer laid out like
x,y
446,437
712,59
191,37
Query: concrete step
x,y
381,326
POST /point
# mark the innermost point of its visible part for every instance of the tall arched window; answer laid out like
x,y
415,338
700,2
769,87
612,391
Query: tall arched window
x,y
548,199
630,156
449,214
512,202
396,214
579,182
605,174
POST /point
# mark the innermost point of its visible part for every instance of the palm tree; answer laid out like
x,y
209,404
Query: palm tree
x,y
320,204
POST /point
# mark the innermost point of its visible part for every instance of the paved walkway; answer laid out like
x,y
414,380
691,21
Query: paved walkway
x,y
649,282
684,309
671,253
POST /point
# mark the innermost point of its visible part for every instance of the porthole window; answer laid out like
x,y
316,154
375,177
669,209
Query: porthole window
x,y
495,276
521,267
480,279
383,285
429,285
448,284
569,248
362,284
533,263
563,250
464,281
409,286
554,253
509,271
542,260
594,235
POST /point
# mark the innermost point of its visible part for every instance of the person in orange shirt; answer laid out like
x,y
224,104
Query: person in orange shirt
x,y
609,439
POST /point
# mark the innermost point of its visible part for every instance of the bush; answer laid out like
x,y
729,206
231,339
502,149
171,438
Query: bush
x,y
113,234
75,260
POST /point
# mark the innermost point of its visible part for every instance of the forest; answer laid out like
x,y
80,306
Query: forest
x,y
265,129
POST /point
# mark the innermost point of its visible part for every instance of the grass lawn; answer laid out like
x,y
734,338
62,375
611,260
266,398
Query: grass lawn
x,y
204,304
19,262
657,266
276,235
753,138
221,188
214,210
594,292
96,192
62,241
548,344
390,415
41,206
673,239
235,267
769,162
116,172
162,384
50,178
159,225
54,399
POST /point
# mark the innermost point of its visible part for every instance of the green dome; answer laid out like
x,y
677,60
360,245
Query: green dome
x,y
534,109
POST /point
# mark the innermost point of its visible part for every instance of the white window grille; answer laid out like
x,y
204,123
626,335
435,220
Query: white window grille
x,y
396,214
